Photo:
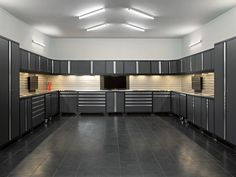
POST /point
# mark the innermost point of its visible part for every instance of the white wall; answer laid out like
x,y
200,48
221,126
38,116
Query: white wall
x,y
75,49
219,29
16,30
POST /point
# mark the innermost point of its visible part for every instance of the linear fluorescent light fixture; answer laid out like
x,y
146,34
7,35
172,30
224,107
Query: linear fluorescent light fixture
x,y
140,13
38,43
134,27
97,27
195,43
94,12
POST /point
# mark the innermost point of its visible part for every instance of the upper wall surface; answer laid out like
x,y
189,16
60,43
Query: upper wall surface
x,y
219,29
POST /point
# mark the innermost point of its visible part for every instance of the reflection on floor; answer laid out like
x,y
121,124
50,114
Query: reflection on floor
x,y
117,146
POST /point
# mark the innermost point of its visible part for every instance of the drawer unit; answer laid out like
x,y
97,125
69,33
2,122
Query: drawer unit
x,y
138,102
68,102
38,110
161,102
92,102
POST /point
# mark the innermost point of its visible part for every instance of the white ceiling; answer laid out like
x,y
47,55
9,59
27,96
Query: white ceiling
x,y
174,18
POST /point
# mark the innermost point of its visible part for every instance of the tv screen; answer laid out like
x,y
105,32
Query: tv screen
x,y
114,82
197,83
32,83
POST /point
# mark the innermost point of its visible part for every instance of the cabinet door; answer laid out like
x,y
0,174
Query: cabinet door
x,y
15,70
49,66
190,109
68,103
99,67
208,61
25,115
80,67
183,105
32,64
164,67
55,103
120,102
198,111
144,67
205,114
175,106
119,67
4,91
185,66
174,67
161,103
231,92
48,105
56,67
109,67
219,89
211,108
155,67
110,107
43,65
196,63
24,60
64,67
130,67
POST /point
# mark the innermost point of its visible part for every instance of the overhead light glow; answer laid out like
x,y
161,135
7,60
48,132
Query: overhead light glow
x,y
97,27
140,13
195,43
94,12
134,27
38,43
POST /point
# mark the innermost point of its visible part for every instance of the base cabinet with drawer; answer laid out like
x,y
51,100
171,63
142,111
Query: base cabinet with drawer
x,y
91,102
161,102
51,104
138,102
38,110
68,102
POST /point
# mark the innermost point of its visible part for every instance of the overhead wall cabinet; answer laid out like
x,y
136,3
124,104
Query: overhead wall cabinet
x,y
9,92
129,67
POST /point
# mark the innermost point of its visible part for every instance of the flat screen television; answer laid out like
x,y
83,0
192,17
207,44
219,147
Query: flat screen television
x,y
32,83
114,82
197,83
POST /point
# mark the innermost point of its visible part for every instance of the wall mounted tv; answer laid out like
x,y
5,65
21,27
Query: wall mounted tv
x,y
32,83
114,82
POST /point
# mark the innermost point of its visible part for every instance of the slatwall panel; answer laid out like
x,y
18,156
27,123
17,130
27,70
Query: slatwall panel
x,y
75,82
208,83
42,87
155,82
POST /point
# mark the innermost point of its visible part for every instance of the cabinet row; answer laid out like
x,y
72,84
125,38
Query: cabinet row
x,y
202,62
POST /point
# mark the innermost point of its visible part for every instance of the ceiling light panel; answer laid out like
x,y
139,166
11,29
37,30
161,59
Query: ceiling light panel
x,y
195,43
97,27
134,27
38,43
92,13
140,13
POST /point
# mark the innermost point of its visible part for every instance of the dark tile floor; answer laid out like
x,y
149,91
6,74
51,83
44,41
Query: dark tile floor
x,y
117,146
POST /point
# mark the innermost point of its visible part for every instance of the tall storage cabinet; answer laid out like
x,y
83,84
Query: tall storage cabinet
x,y
9,92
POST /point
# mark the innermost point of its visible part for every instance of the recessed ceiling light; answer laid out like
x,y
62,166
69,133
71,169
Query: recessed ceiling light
x,y
91,13
134,27
195,43
97,27
140,13
38,43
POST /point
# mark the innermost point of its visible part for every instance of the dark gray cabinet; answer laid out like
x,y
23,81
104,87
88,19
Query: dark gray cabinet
x,y
38,110
80,67
219,90
230,91
56,67
64,67
161,102
130,67
190,108
174,66
175,106
51,104
211,116
208,60
183,105
197,111
4,91
109,67
49,66
208,114
68,102
144,67
24,65
115,102
48,106
33,63
185,65
25,115
155,69
99,67
196,63
164,67
43,65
